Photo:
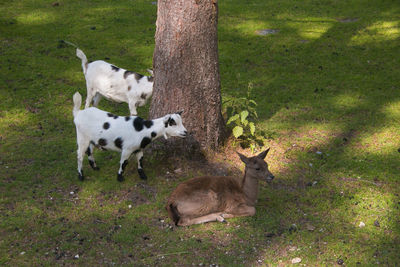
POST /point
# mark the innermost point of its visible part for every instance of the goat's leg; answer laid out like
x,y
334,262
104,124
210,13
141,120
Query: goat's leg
x,y
96,99
139,157
90,94
89,152
122,164
184,221
82,145
132,107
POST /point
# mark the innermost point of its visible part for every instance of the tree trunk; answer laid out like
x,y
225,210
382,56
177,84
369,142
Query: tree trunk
x,y
186,70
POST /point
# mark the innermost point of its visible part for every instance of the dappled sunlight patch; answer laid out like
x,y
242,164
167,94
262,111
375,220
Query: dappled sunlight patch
x,y
15,120
382,142
36,17
251,27
346,101
373,207
312,28
345,202
392,111
304,116
379,31
310,138
103,9
307,28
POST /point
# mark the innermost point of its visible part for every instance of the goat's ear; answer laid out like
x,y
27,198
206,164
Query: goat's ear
x,y
262,155
179,112
243,158
150,71
166,120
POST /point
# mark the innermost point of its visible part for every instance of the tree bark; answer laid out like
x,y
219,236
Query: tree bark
x,y
186,69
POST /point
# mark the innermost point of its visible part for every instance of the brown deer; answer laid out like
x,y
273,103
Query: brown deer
x,y
208,198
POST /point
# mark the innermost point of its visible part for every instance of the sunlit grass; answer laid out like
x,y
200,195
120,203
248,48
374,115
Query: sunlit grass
x,y
382,141
13,121
37,17
378,32
392,111
346,101
311,28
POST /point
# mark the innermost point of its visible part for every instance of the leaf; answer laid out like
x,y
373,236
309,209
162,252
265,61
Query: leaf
x,y
252,128
243,115
233,118
253,102
253,112
237,131
252,147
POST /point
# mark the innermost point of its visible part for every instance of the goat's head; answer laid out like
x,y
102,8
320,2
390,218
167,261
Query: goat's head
x,y
257,167
173,125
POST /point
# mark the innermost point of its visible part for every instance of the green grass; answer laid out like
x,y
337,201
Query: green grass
x,y
328,81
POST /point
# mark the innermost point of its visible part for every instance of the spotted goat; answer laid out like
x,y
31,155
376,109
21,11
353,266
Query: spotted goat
x,y
125,134
117,84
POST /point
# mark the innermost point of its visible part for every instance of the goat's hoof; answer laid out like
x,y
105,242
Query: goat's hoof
x,y
142,174
93,165
120,178
81,177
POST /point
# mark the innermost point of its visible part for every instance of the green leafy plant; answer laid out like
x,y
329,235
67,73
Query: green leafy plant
x,y
241,114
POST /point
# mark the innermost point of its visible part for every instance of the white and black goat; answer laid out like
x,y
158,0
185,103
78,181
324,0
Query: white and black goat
x,y
126,134
119,85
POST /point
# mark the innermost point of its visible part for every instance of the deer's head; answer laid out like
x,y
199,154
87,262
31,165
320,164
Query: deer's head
x,y
257,167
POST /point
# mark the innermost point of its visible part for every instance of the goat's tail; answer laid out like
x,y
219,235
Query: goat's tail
x,y
82,56
77,103
173,213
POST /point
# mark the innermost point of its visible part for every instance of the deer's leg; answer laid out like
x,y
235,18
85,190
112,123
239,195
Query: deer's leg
x,y
183,221
240,211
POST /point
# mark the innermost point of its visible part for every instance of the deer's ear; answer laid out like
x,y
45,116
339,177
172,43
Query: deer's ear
x,y
243,158
262,155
